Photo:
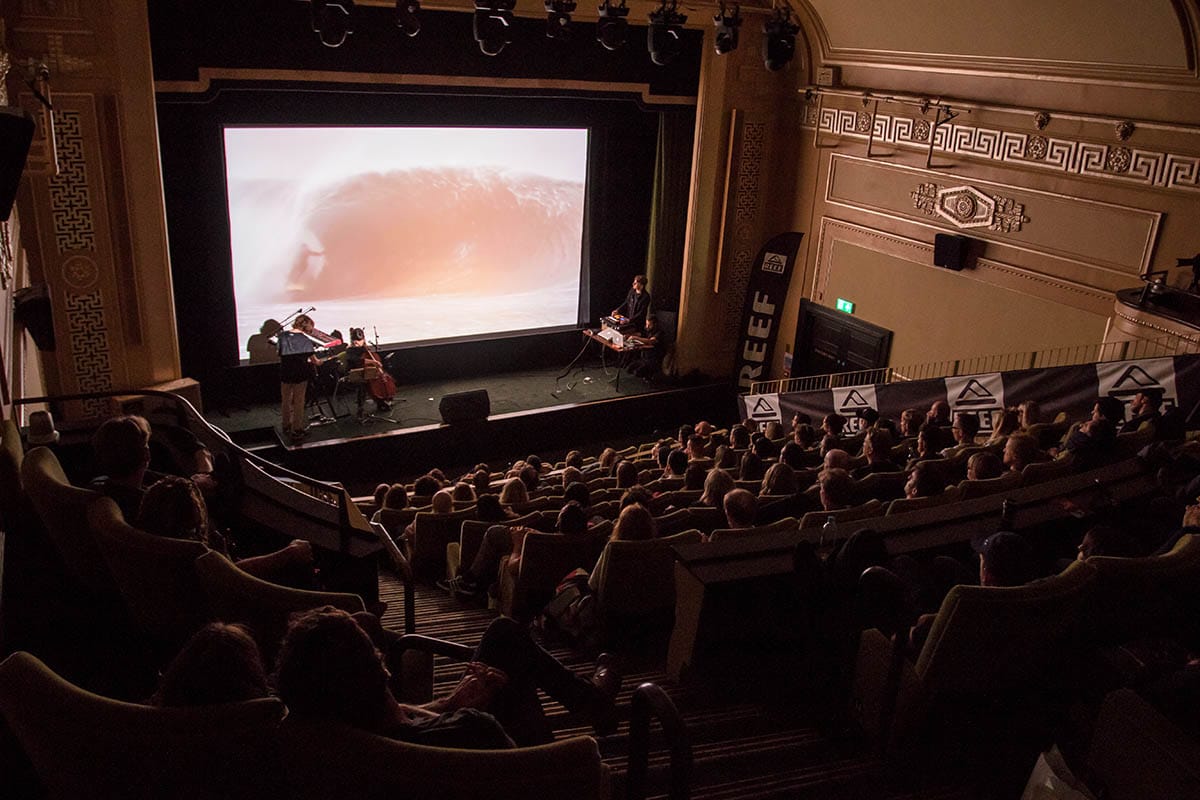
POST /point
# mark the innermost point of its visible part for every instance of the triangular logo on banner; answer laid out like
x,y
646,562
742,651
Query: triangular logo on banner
x,y
774,262
1138,377
763,408
854,401
975,394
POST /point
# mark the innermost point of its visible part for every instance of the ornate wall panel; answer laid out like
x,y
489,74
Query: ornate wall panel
x,y
745,224
1114,243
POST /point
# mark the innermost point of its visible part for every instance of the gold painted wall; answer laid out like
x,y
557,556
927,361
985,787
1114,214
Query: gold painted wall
x,y
95,227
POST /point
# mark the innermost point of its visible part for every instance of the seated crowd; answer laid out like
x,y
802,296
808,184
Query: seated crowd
x,y
338,666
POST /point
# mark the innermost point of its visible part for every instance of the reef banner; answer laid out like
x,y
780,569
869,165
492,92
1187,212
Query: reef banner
x,y
761,312
1072,390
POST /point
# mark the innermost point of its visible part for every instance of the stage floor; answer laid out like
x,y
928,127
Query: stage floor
x,y
416,405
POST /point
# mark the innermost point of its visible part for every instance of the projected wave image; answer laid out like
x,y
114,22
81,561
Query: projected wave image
x,y
412,233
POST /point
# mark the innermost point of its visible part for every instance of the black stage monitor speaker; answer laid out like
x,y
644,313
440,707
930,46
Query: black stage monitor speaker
x,y
16,132
950,251
471,406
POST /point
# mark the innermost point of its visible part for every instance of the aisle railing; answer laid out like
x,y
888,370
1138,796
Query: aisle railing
x,y
975,365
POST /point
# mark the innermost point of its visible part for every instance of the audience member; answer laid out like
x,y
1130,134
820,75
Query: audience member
x,y
751,467
1020,451
634,523
514,493
741,507
984,466
328,668
627,474
1005,422
121,448
964,429
780,479
837,489
426,486
174,509
793,455
579,492
836,459
488,509
717,484
877,449
924,480
693,477
1029,413
462,493
219,664
911,421
677,462
1144,408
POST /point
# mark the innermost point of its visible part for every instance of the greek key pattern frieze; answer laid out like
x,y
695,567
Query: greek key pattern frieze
x,y
70,200
89,348
1117,162
749,164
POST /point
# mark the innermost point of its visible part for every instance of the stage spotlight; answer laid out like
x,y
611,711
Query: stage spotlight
x,y
611,27
663,36
408,16
493,25
558,18
779,39
332,20
727,29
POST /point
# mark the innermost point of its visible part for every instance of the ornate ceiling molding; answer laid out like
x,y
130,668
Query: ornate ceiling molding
x,y
1152,169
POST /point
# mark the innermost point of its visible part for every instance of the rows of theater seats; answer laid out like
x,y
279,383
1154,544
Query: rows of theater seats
x,y
111,605
996,657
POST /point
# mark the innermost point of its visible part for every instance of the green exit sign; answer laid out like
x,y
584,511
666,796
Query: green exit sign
x,y
845,305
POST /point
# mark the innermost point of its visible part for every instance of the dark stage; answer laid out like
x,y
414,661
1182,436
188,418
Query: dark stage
x,y
531,411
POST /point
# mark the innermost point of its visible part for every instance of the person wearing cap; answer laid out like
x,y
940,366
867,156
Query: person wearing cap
x,y
1005,559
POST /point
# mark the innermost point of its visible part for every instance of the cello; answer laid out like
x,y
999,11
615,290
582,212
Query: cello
x,y
379,384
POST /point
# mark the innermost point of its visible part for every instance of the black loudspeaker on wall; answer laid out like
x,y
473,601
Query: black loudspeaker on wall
x,y
31,308
16,132
471,406
950,251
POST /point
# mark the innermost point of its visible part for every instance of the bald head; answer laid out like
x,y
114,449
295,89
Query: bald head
x,y
837,459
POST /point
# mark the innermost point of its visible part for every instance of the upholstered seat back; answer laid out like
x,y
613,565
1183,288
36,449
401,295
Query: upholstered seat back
x,y
156,576
1143,597
370,767
989,639
431,533
233,595
639,577
85,746
62,510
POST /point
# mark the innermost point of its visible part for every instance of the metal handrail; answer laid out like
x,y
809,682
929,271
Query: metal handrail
x,y
1031,359
649,699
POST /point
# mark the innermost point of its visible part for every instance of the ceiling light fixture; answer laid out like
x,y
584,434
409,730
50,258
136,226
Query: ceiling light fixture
x,y
558,18
663,36
779,39
612,25
332,20
493,25
727,29
408,16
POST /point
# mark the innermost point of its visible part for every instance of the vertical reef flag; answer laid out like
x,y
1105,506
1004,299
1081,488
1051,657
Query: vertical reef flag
x,y
765,295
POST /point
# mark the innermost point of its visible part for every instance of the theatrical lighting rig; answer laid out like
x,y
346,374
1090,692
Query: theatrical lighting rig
x,y
332,20
779,39
663,36
408,16
612,25
727,29
558,18
493,24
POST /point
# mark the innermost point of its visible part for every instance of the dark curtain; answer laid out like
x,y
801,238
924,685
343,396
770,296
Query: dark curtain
x,y
669,205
